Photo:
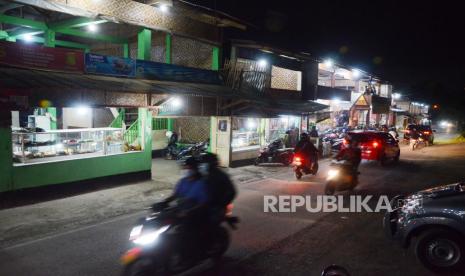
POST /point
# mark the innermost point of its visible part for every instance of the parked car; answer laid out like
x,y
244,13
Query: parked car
x,y
426,132
376,145
432,222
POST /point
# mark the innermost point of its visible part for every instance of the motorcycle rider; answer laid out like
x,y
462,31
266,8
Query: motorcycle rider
x,y
306,148
353,154
220,188
191,190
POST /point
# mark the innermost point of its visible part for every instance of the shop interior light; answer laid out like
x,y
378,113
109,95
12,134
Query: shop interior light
x,y
396,96
83,110
251,124
262,63
176,102
336,100
328,63
92,28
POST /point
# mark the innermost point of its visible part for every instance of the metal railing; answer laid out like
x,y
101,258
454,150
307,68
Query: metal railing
x,y
132,133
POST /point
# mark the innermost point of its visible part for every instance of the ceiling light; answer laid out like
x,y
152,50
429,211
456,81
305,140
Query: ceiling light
x,y
92,28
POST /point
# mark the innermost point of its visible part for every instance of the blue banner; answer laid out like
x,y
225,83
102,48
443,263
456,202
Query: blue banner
x,y
109,65
169,72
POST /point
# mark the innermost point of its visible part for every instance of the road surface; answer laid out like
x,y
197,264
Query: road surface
x,y
298,243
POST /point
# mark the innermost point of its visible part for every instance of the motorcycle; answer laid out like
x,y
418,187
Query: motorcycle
x,y
340,177
302,166
161,244
196,150
420,141
274,153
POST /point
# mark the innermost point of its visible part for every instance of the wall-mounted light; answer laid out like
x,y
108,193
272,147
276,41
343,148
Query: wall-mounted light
x,y
328,63
262,63
27,37
164,8
355,73
176,102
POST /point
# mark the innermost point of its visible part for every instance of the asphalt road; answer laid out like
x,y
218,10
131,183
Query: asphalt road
x,y
298,243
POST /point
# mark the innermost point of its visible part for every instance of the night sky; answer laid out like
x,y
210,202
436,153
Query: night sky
x,y
418,46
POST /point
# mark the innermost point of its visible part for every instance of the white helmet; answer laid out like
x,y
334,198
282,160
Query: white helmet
x,y
169,133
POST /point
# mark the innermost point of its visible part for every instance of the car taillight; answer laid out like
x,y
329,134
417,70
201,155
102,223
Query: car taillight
x,y
297,159
375,144
426,132
345,142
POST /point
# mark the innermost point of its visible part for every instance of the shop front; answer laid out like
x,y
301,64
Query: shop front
x,y
359,114
39,156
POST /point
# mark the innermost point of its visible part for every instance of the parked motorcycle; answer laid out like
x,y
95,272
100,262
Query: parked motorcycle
x,y
195,150
302,166
274,153
162,244
340,177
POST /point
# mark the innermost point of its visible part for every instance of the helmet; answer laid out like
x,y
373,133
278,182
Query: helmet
x,y
169,133
303,136
211,159
189,162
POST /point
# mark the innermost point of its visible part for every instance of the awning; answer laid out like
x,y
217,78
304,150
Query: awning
x,y
37,81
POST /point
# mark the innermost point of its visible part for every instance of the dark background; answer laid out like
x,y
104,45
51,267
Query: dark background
x,y
418,46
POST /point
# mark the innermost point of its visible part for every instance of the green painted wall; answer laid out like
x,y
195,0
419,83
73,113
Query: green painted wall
x,y
27,176
5,159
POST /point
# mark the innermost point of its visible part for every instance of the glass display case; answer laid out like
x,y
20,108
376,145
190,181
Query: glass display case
x,y
245,134
57,145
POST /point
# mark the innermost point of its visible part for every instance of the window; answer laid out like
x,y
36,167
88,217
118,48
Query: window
x,y
245,133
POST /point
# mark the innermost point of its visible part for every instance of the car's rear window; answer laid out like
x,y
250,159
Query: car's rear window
x,y
363,137
423,128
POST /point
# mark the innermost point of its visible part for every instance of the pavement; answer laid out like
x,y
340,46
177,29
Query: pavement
x,y
90,232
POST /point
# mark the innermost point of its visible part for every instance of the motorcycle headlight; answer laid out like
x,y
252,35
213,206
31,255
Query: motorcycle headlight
x,y
150,237
332,173
135,232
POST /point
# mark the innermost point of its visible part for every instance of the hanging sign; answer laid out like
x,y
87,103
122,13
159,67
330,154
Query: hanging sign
x,y
39,57
109,65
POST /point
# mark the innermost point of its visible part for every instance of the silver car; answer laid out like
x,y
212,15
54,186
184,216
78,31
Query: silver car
x,y
432,222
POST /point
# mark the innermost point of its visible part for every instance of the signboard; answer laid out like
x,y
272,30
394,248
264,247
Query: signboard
x,y
40,57
109,65
380,105
169,72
